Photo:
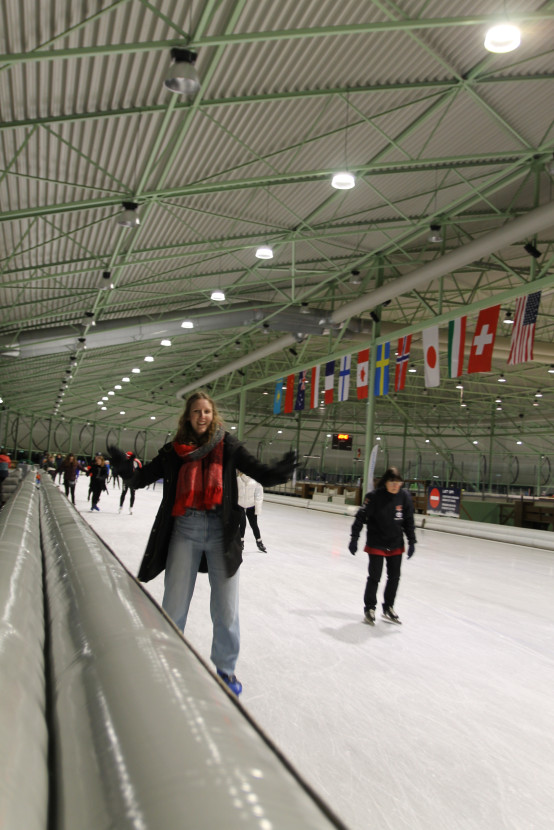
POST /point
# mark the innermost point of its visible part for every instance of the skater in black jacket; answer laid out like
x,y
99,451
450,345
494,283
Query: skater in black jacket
x,y
197,525
389,515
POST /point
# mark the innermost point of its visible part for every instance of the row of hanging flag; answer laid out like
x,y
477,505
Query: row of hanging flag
x,y
479,359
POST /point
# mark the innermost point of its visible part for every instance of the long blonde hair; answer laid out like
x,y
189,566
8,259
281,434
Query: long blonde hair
x,y
185,433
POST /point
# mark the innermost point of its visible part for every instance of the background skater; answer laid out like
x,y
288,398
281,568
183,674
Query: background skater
x,y
136,466
251,496
388,514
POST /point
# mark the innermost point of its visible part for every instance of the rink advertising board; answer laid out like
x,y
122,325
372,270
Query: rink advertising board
x,y
443,501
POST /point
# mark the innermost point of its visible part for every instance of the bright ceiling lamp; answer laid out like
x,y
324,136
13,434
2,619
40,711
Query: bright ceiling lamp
x,y
502,38
129,218
165,342
187,324
343,181
149,358
218,295
264,252
181,77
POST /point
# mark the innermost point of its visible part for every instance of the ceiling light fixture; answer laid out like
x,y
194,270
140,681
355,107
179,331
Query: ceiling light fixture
x,y
187,324
508,319
538,394
181,77
264,252
532,250
435,235
129,218
412,368
355,278
343,181
165,342
135,371
149,358
218,296
551,370
505,37
501,379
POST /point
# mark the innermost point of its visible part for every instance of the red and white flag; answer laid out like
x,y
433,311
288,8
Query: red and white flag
x,y
456,346
480,354
362,376
431,355
314,388
402,358
523,332
289,394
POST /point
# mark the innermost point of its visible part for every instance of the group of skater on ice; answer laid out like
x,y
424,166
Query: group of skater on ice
x,y
211,486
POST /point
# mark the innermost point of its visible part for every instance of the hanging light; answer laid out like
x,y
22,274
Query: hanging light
x,y
264,252
355,278
218,295
435,235
538,394
181,77
505,37
165,342
343,181
508,319
551,370
106,280
187,324
412,368
129,218
501,379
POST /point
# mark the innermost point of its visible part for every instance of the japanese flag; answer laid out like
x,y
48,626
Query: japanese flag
x,y
431,355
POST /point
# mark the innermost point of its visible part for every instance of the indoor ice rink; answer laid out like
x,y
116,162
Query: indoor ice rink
x,y
443,722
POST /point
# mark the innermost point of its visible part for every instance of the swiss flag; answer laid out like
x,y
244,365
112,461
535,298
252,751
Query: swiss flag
x,y
480,354
362,378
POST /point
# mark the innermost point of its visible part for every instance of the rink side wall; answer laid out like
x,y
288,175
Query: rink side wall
x,y
109,718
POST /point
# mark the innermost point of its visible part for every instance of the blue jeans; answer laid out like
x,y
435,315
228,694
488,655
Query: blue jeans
x,y
195,533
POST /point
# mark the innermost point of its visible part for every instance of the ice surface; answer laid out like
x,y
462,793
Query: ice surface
x,y
445,722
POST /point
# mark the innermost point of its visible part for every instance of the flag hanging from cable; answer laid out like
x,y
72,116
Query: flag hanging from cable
x,y
277,397
289,394
314,388
456,346
382,363
362,374
301,391
344,377
329,381
523,332
430,338
480,354
402,358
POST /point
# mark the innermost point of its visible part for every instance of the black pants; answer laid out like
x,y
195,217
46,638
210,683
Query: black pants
x,y
124,493
375,569
250,514
96,491
69,486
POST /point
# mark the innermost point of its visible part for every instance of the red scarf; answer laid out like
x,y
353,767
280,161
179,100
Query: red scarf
x,y
200,479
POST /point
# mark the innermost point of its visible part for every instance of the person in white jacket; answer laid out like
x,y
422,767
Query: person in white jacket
x,y
251,496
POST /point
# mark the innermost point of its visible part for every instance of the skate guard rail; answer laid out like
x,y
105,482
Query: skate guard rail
x,y
141,734
543,539
23,729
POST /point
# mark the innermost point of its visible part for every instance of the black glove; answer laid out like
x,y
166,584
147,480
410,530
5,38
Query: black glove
x,y
285,467
121,465
411,550
353,546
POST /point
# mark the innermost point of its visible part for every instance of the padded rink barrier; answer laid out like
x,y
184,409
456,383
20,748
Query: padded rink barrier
x,y
144,736
23,729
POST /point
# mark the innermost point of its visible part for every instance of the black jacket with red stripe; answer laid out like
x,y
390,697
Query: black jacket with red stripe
x,y
388,516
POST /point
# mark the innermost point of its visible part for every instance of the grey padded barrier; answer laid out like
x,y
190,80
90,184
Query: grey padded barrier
x,y
144,735
23,730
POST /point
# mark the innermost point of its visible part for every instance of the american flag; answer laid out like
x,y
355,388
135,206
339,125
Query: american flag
x,y
523,332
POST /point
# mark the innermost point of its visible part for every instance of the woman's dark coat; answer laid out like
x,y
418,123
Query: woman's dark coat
x,y
166,465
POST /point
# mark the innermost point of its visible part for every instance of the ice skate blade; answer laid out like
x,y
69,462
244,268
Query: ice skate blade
x,y
392,622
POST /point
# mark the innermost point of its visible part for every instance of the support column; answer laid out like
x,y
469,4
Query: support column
x,y
242,414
